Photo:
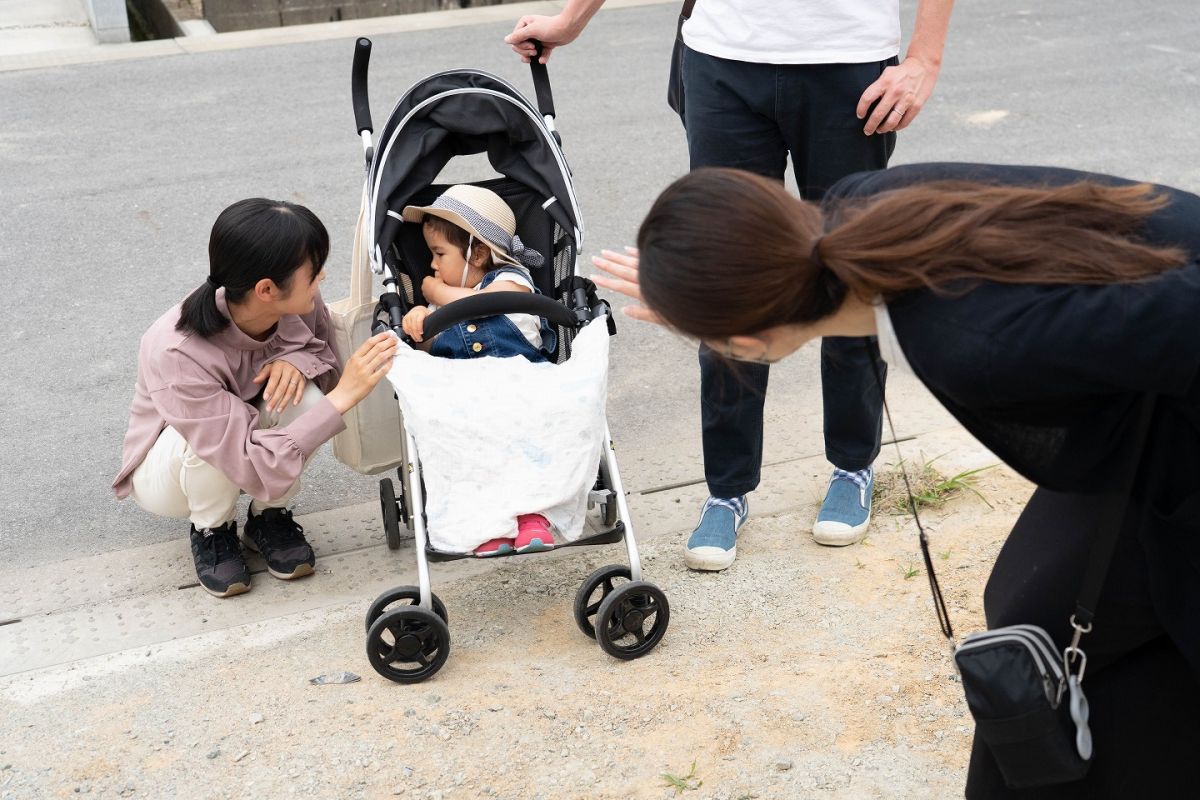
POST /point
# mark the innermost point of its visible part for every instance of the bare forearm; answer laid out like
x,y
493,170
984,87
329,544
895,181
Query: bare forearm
x,y
442,294
929,31
578,13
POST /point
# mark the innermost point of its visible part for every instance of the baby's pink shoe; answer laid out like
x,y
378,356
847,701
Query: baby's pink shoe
x,y
533,534
494,547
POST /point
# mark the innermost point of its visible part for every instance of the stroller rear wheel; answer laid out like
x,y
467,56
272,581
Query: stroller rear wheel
x,y
391,513
632,620
402,597
596,587
408,644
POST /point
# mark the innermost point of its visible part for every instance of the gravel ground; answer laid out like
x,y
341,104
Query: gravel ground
x,y
800,672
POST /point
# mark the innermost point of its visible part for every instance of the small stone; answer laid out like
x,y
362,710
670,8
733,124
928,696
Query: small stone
x,y
256,719
445,737
241,755
783,765
495,708
548,713
588,715
216,751
565,752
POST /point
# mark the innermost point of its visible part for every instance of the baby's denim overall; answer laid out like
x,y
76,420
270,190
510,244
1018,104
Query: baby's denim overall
x,y
492,336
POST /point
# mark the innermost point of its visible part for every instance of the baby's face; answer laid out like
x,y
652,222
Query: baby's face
x,y
448,261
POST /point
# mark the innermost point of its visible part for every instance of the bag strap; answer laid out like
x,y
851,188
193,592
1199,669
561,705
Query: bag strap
x,y
1113,509
686,12
360,262
939,603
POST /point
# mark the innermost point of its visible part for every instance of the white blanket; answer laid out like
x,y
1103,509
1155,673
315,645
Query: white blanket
x,y
498,437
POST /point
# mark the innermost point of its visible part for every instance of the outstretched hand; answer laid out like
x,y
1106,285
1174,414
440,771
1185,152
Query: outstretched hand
x,y
363,370
624,280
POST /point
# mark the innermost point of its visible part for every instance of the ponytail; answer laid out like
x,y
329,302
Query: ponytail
x,y
199,313
949,235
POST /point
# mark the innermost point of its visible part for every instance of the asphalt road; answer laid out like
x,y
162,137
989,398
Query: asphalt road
x,y
111,175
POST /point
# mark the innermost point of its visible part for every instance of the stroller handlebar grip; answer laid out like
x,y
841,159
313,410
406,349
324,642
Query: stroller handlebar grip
x,y
358,85
492,304
541,82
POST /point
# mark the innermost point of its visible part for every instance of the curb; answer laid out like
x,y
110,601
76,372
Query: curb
x,y
266,37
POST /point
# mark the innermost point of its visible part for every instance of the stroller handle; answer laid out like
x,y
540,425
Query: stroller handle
x,y
358,85
491,304
541,87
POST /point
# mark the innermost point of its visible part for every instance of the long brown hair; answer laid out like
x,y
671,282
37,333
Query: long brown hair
x,y
726,252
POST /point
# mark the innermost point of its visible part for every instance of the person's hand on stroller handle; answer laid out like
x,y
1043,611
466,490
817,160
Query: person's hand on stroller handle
x,y
624,272
364,370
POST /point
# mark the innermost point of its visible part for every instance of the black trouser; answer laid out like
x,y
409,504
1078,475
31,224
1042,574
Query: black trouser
x,y
752,117
1144,697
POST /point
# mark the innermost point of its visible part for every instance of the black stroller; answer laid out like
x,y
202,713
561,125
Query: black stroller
x,y
458,113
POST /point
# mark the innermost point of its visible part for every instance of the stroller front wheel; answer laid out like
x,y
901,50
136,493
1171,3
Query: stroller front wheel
x,y
408,644
632,620
587,602
403,597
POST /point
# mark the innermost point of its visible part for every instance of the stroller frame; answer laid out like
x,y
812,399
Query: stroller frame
x,y
407,633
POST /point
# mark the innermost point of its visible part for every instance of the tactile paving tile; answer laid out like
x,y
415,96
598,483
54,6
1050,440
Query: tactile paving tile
x,y
167,565
132,598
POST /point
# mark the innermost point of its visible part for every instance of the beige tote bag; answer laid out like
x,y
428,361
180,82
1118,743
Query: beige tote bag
x,y
373,440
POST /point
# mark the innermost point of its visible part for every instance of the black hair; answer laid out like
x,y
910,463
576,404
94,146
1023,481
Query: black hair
x,y
251,240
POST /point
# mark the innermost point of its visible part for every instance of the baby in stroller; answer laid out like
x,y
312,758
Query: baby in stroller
x,y
471,235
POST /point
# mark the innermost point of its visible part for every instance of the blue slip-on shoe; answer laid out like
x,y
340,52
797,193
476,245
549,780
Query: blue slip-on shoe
x,y
713,544
846,512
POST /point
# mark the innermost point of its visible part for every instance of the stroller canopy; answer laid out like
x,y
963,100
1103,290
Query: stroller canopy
x,y
460,113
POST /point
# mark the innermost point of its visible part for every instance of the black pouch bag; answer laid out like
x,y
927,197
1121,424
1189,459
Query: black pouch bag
x,y
1017,691
675,81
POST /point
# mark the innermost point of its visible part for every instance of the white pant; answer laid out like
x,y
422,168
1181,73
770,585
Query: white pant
x,y
172,481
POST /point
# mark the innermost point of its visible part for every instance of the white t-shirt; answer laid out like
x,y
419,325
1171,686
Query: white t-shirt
x,y
889,345
795,31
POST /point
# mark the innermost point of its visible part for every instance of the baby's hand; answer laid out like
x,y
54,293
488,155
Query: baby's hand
x,y
429,286
414,322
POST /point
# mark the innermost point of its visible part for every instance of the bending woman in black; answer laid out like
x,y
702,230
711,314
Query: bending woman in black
x,y
1038,305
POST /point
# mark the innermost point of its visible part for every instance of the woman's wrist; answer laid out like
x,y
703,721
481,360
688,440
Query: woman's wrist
x,y
341,399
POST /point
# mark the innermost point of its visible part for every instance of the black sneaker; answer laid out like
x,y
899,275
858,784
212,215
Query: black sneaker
x,y
219,564
280,540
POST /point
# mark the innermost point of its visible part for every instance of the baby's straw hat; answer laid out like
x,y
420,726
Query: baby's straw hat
x,y
484,214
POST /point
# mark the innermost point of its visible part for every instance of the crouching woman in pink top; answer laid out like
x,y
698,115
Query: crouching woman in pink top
x,y
237,387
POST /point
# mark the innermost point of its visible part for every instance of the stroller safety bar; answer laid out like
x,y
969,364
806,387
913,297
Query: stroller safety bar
x,y
493,304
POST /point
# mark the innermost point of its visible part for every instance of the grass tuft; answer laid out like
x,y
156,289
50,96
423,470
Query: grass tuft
x,y
929,487
683,784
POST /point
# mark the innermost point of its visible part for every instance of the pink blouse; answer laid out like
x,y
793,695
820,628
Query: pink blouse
x,y
204,389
